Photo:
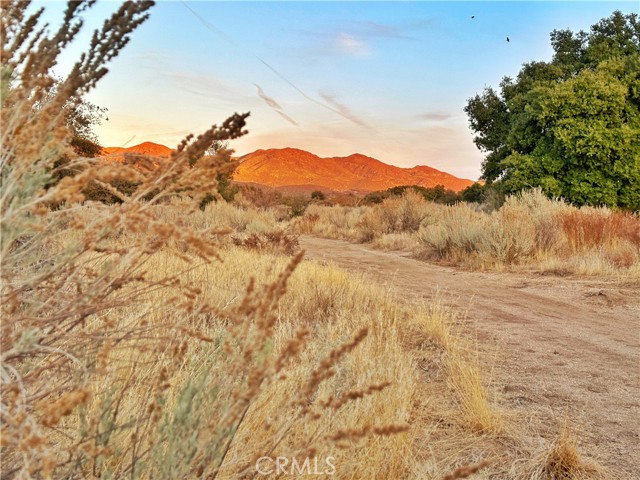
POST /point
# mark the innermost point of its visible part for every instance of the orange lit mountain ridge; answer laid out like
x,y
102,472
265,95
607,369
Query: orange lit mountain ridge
x,y
299,169
144,157
289,167
146,148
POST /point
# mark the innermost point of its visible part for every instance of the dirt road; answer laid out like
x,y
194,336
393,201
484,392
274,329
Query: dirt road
x,y
563,345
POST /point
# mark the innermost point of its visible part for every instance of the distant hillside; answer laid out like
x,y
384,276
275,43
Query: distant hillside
x,y
290,167
146,148
138,155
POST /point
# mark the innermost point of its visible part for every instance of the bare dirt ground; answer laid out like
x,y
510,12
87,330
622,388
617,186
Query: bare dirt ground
x,y
562,346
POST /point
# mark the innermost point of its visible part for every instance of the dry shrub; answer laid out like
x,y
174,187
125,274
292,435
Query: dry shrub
x,y
542,213
509,237
532,230
271,242
329,221
217,215
624,255
257,196
306,224
395,215
457,233
596,227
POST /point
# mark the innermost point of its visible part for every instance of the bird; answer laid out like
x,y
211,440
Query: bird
x,y
508,39
473,16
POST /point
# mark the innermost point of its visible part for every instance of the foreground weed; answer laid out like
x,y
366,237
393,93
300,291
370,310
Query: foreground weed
x,y
111,366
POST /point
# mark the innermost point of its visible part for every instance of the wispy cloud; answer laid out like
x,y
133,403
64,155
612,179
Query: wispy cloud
x,y
342,109
275,105
268,100
435,116
201,84
381,30
348,44
358,39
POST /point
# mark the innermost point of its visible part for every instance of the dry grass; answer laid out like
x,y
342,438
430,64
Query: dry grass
x,y
164,390
465,374
563,461
329,221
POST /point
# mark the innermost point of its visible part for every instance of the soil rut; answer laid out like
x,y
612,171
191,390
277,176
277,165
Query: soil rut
x,y
562,345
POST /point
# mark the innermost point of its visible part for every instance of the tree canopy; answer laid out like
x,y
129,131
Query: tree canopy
x,y
572,125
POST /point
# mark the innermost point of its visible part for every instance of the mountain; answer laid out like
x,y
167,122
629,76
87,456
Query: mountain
x,y
291,167
146,148
138,155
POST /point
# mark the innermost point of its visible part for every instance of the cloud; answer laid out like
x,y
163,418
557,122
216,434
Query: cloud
x,y
202,84
287,118
268,100
349,44
275,105
435,116
357,39
381,30
342,109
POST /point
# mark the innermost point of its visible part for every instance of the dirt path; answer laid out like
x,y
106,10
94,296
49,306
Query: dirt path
x,y
563,345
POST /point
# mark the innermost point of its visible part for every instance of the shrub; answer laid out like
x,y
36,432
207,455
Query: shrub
x,y
297,205
437,194
394,215
457,233
271,242
596,227
317,195
509,237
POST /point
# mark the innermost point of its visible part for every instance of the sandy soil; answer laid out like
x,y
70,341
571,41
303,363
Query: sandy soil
x,y
562,345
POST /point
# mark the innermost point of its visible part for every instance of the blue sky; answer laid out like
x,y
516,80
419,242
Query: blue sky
x,y
386,79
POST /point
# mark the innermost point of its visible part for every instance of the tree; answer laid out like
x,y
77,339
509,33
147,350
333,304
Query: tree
x,y
474,193
570,126
81,120
80,117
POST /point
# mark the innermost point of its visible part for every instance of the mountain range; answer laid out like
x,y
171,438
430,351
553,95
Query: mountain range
x,y
287,167
295,169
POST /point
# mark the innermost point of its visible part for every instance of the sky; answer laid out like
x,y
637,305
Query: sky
x,y
384,79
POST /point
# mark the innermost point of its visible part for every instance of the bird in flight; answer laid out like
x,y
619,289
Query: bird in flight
x,y
508,39
473,16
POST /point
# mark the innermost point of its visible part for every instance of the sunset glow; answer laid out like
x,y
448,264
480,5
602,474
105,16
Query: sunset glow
x,y
385,79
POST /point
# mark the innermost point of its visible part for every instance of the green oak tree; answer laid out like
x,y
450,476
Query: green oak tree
x,y
572,125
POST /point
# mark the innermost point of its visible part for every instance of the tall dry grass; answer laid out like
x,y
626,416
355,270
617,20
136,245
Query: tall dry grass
x,y
563,461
